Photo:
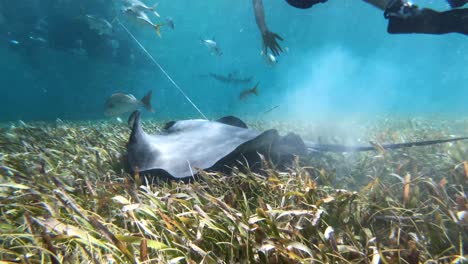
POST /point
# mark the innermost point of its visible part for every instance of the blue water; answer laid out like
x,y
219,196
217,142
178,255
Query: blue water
x,y
341,61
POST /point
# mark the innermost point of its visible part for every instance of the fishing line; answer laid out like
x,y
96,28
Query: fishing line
x,y
162,70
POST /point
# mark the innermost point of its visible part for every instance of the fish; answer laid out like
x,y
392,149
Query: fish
x,y
120,103
79,50
41,25
271,109
11,41
269,58
212,45
248,92
100,25
139,6
38,39
187,145
170,22
141,16
230,78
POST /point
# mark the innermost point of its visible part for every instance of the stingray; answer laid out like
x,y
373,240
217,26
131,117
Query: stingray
x,y
183,147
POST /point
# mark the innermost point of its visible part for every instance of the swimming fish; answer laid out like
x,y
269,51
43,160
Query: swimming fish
x,y
120,103
212,45
11,41
141,16
270,109
38,39
139,6
170,22
42,25
187,145
230,78
269,58
99,24
248,92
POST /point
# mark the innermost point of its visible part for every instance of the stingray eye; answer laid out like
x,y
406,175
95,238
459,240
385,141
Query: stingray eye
x,y
111,105
168,125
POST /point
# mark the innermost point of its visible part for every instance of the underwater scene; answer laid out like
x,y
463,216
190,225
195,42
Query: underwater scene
x,y
217,131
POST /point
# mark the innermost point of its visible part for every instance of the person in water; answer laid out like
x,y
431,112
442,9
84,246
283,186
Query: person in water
x,y
403,18
407,18
269,38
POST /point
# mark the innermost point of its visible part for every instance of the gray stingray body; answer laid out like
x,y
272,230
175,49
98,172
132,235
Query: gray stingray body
x,y
187,145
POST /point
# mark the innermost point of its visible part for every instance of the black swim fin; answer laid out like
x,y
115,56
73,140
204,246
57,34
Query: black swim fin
x,y
314,147
457,3
304,4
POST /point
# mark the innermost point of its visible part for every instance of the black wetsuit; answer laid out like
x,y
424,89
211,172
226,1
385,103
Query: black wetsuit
x,y
426,21
304,3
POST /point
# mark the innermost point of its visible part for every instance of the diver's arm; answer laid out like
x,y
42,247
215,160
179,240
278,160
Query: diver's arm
x,y
260,15
269,38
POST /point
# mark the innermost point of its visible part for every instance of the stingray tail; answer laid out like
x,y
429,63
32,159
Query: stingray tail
x,y
313,147
147,101
134,123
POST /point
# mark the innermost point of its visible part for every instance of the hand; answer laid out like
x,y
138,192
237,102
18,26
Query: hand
x,y
269,42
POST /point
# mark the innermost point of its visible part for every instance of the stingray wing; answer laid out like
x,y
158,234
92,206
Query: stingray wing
x,y
184,146
248,152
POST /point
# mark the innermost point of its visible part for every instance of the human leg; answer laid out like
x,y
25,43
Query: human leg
x,y
406,18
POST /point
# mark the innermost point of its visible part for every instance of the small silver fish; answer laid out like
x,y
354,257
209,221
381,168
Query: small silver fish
x,y
120,103
140,16
38,39
139,6
11,41
212,45
170,22
41,25
99,24
269,58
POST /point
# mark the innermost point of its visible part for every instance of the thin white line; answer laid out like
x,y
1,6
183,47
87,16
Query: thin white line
x,y
163,71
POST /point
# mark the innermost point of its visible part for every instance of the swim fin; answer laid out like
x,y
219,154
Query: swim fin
x,y
457,3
